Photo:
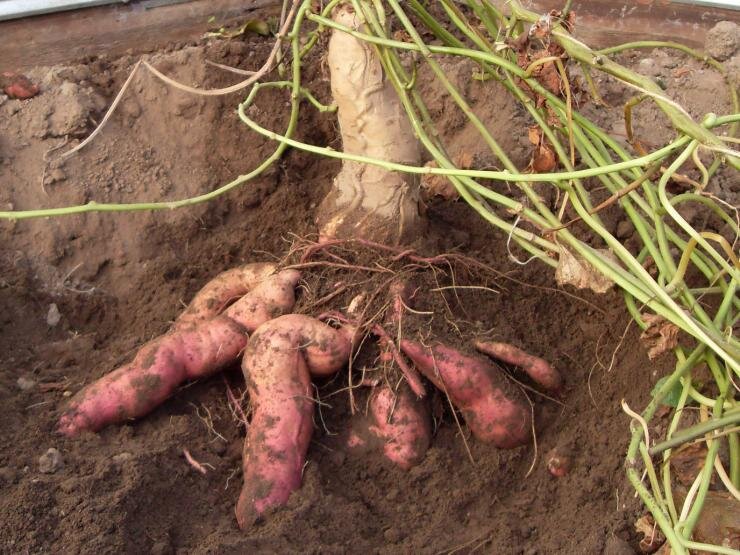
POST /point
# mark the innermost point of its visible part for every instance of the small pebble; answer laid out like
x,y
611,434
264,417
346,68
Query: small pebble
x,y
122,457
53,316
51,461
24,383
624,230
393,535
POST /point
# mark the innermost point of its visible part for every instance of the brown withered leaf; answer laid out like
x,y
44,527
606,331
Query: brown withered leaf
x,y
574,270
653,538
542,28
688,461
438,185
719,522
660,335
550,78
552,118
543,158
534,134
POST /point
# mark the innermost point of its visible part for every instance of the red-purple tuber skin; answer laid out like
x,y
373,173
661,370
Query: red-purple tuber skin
x,y
189,352
17,85
537,369
222,290
278,363
491,407
559,461
403,422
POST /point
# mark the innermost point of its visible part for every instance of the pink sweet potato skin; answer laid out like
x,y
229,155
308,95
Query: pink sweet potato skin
x,y
225,288
537,369
194,351
403,423
273,297
278,362
492,408
18,86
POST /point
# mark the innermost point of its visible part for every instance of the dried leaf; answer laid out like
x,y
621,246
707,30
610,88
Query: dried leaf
x,y
653,537
257,26
660,335
574,270
543,26
440,186
719,522
548,75
543,159
688,461
534,134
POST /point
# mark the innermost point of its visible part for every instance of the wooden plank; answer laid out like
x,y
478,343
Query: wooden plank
x,y
113,30
602,23
140,27
11,9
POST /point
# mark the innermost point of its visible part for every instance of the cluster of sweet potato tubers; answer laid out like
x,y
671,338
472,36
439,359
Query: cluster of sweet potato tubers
x,y
246,312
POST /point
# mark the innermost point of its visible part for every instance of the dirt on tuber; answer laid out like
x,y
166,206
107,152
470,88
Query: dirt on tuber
x,y
278,363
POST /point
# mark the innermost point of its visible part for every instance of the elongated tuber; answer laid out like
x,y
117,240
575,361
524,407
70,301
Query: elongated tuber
x,y
537,369
224,289
187,353
491,407
278,363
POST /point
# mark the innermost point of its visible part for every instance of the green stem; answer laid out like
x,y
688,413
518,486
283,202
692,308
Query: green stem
x,y
731,418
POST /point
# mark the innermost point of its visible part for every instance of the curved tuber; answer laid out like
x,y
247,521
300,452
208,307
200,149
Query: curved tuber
x,y
224,289
403,422
277,364
187,353
491,407
536,368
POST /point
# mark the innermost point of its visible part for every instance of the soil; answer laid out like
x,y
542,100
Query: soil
x,y
78,294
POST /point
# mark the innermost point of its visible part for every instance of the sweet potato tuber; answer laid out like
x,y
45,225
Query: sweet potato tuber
x,y
537,369
491,407
186,353
277,365
402,422
222,290
17,85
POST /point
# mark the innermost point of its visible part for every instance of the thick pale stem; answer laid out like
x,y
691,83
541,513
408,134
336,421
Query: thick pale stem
x,y
369,201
